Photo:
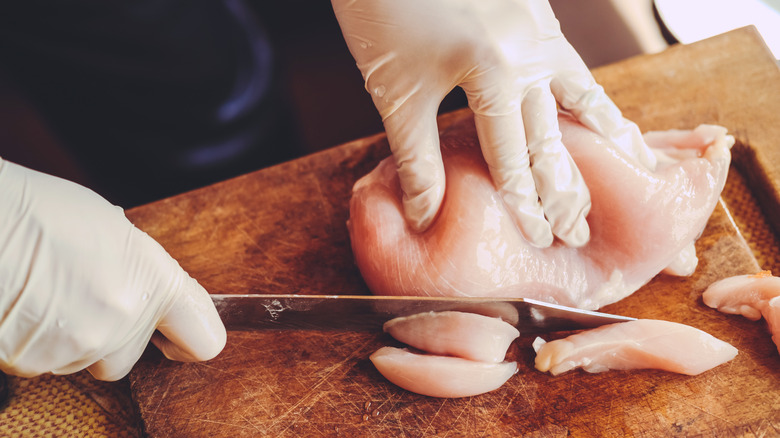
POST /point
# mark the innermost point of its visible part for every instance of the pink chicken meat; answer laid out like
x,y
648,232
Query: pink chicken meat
x,y
751,296
441,376
641,222
466,353
461,334
644,343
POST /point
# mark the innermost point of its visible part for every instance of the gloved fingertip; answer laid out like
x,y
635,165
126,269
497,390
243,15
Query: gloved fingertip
x,y
419,222
108,372
578,235
541,239
206,350
528,216
421,210
192,329
536,231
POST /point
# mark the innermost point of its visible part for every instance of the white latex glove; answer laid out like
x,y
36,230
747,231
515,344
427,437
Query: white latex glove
x,y
81,287
514,63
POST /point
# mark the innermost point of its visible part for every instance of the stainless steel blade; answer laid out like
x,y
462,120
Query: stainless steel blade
x,y
369,313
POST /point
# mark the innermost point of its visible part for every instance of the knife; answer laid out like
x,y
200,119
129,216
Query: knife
x,y
369,313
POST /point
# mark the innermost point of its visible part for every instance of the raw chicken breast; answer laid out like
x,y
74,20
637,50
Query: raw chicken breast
x,y
440,376
641,221
466,335
751,296
644,343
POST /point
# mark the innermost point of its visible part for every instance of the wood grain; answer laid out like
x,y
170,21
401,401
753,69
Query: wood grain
x,y
282,229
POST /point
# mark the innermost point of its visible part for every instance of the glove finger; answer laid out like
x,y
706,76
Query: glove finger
x,y
579,94
414,141
565,197
191,331
119,362
503,145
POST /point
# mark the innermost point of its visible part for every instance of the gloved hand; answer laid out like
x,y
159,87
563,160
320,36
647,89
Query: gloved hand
x,y
81,287
513,62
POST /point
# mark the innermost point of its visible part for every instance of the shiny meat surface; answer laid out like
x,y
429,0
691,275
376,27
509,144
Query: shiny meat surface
x,y
641,222
441,376
639,344
466,335
466,353
752,296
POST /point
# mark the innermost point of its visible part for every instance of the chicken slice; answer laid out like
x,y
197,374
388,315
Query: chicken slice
x,y
751,296
466,335
440,376
644,343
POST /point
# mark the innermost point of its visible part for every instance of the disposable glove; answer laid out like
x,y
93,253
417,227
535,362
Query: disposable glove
x,y
513,62
81,287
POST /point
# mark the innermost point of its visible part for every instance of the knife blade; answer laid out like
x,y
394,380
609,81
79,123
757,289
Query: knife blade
x,y
369,313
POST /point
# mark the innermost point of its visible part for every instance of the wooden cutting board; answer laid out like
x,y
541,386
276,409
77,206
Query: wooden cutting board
x,y
282,230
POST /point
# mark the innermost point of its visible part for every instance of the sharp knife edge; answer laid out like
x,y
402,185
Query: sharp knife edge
x,y
369,313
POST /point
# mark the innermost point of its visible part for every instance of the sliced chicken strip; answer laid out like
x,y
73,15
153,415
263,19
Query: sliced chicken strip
x,y
640,344
440,376
466,335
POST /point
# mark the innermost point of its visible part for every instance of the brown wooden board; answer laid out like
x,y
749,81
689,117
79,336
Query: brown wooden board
x,y
282,230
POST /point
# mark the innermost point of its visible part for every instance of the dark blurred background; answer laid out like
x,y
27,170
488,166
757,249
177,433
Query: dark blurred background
x,y
145,100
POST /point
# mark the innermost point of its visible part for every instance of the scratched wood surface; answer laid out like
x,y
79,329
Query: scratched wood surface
x,y
283,230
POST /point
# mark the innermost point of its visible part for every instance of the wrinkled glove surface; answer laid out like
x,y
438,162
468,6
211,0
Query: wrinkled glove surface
x,y
81,287
515,66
